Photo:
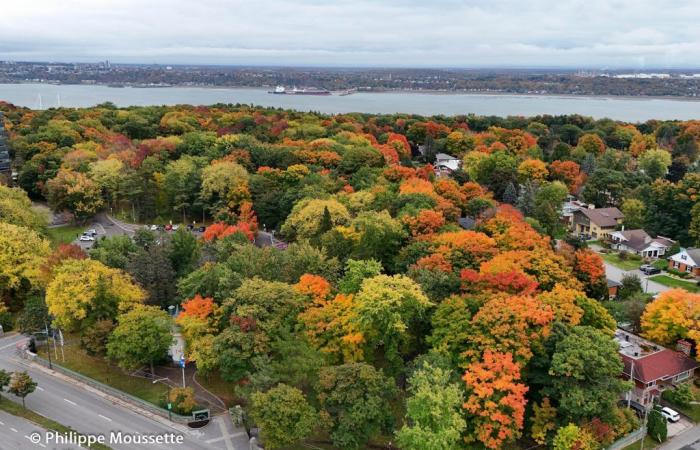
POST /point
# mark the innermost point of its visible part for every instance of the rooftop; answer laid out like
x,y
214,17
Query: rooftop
x,y
603,217
635,346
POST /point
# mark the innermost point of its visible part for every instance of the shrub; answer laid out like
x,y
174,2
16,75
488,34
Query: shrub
x,y
623,255
182,400
656,425
677,273
681,396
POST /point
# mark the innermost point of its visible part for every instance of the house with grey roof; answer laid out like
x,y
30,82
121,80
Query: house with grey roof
x,y
640,243
596,222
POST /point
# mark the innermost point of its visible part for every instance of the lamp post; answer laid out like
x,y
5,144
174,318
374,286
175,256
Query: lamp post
x,y
169,405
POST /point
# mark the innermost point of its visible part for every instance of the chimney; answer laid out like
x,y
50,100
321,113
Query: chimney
x,y
684,346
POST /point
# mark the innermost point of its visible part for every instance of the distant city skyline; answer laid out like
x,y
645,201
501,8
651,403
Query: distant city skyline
x,y
594,34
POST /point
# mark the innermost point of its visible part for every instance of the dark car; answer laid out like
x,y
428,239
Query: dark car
x,y
190,227
202,229
648,269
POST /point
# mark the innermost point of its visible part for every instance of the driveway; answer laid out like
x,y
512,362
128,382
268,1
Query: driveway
x,y
674,429
615,273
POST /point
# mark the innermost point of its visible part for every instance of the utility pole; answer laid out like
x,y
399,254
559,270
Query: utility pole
x,y
48,347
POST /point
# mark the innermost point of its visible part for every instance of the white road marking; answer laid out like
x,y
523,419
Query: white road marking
x,y
72,403
1,423
13,429
42,445
105,418
40,388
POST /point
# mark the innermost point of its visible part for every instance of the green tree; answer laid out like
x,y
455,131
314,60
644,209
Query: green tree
x,y
631,286
283,415
306,218
152,270
16,209
5,378
224,187
114,251
388,311
656,425
547,207
694,229
142,336
497,171
585,372
634,211
181,181
433,411
184,252
21,385
356,271
94,338
354,403
34,316
655,163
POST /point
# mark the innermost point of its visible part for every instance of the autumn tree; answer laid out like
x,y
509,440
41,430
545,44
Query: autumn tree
x,y
224,187
671,316
16,209
571,437
543,421
23,254
75,192
356,271
142,336
495,400
21,385
433,414
354,403
590,270
86,290
283,415
305,220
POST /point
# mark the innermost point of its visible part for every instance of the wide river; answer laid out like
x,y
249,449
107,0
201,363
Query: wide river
x,y
632,109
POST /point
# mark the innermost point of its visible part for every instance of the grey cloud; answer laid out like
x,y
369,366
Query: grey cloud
x,y
452,33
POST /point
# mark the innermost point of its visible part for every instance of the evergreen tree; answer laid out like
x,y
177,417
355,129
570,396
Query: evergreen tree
x,y
656,425
588,165
510,195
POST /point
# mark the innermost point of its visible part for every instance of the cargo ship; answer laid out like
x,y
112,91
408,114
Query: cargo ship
x,y
281,90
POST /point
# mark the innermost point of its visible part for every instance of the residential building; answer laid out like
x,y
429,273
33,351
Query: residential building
x,y
596,222
640,243
569,207
653,368
687,260
450,163
613,286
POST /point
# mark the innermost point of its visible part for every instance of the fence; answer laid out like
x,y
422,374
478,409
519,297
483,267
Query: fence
x,y
627,440
143,404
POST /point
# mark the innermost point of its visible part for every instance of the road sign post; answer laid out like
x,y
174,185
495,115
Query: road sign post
x,y
182,364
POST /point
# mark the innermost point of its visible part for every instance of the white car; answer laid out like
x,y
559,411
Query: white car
x,y
175,227
91,232
670,415
154,227
86,237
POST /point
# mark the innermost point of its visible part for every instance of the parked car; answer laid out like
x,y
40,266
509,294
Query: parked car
x,y
168,227
92,232
154,227
670,415
175,227
584,237
86,237
190,227
648,269
202,229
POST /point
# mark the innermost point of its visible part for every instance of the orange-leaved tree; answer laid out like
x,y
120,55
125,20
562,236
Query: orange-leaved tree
x,y
496,401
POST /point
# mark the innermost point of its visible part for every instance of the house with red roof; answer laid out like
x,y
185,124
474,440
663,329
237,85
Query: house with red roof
x,y
653,368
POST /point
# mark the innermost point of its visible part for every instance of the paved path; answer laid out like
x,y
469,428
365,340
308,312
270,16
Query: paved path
x,y
688,440
616,274
90,412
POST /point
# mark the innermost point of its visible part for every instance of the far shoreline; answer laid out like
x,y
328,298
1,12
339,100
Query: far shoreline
x,y
392,91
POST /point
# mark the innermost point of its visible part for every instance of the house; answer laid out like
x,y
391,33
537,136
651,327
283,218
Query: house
x,y
687,260
445,162
613,287
466,222
596,222
640,243
569,207
653,368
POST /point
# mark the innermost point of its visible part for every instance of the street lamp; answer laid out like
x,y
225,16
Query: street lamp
x,y
169,405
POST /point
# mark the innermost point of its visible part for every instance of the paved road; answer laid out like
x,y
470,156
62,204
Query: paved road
x,y
616,274
16,433
688,440
73,405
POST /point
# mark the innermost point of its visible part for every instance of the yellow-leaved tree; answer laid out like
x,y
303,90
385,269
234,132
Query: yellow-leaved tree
x,y
22,253
86,290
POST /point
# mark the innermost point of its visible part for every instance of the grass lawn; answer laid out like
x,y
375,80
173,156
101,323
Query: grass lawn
x,y
17,410
104,372
630,263
649,443
64,235
672,282
219,387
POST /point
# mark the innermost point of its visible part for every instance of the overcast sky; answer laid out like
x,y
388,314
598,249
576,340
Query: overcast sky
x,y
410,33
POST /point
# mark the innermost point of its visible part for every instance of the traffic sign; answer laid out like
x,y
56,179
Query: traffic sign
x,y
182,362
